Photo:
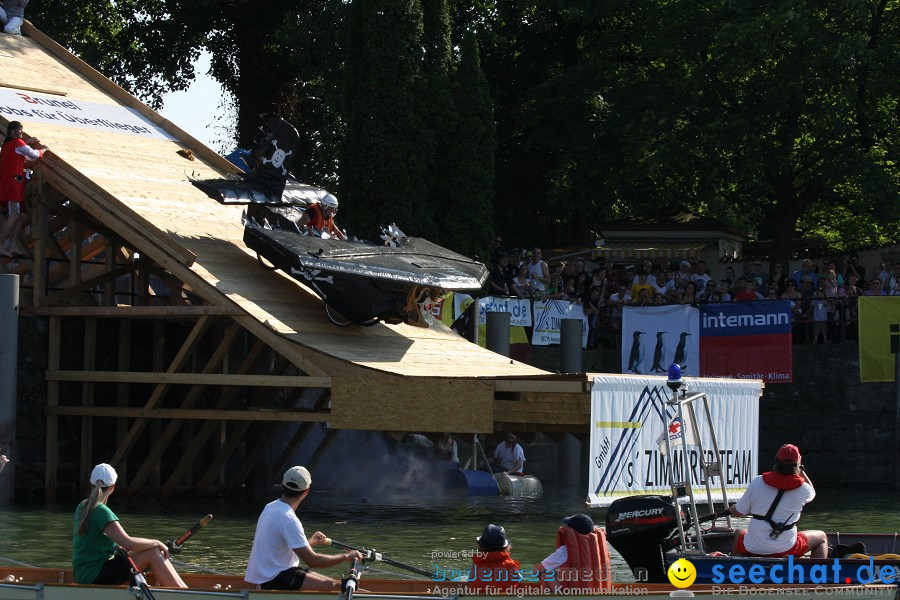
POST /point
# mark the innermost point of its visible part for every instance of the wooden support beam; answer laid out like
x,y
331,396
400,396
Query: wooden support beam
x,y
51,449
167,378
76,235
547,386
252,458
209,427
196,414
324,445
122,389
39,237
109,288
232,441
134,312
84,286
156,396
188,402
89,352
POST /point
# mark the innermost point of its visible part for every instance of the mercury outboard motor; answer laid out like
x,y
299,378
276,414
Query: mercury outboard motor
x,y
641,529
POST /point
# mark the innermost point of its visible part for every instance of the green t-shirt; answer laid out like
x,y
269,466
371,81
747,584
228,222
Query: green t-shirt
x,y
91,550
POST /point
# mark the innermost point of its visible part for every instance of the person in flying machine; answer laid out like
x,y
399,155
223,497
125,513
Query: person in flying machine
x,y
319,217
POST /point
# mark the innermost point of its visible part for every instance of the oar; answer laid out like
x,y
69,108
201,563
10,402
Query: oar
x,y
174,546
16,562
377,557
139,579
198,567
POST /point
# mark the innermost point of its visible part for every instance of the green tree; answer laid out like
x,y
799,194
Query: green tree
x,y
468,208
382,167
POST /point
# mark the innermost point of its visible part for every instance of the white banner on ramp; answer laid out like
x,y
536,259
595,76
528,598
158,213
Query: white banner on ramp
x,y
629,416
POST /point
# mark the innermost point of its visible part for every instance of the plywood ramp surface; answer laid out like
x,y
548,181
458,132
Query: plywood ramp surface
x,y
141,188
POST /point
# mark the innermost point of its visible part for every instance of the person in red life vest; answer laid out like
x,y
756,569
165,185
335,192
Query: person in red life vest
x,y
775,500
13,154
320,217
492,565
581,558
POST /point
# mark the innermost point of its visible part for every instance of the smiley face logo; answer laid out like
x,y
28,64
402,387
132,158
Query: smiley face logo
x,y
682,573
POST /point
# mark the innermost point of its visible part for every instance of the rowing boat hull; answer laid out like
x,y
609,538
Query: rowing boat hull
x,y
57,584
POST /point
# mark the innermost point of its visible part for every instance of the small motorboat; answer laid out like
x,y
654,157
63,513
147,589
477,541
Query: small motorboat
x,y
395,281
652,533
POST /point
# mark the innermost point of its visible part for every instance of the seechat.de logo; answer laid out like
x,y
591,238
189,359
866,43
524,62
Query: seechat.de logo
x,y
682,573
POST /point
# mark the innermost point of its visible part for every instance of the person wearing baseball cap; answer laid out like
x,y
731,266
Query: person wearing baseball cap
x,y
280,543
101,547
580,551
775,500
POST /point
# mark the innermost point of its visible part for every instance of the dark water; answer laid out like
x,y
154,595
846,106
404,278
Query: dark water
x,y
416,531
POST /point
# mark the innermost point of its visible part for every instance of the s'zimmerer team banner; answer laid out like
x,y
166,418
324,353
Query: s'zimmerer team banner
x,y
747,340
879,337
629,417
548,315
654,337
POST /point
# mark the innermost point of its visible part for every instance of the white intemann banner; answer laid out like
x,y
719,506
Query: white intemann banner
x,y
629,415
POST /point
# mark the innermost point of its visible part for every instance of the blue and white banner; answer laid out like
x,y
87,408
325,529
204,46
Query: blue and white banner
x,y
548,315
30,107
629,416
519,309
654,337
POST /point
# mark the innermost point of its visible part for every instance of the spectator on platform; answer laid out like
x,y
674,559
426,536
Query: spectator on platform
x,y
731,277
598,280
539,273
761,277
689,294
779,277
854,268
665,282
892,287
496,250
805,271
659,299
646,269
641,284
702,279
818,312
644,297
499,283
748,291
832,266
773,292
617,300
684,274
884,273
522,282
874,288
807,286
715,297
724,289
592,305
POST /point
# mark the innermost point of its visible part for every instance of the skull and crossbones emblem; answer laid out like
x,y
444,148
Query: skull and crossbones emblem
x,y
278,158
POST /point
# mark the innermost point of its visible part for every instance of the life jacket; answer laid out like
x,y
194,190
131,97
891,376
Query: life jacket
x,y
782,483
588,563
317,219
495,569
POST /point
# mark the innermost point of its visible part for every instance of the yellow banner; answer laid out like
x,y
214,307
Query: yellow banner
x,y
879,334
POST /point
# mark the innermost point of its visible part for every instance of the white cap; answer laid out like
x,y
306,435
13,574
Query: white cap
x,y
297,479
103,475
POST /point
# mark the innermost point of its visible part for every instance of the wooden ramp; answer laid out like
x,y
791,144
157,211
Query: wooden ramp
x,y
124,199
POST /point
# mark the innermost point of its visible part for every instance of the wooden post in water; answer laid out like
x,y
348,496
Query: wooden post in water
x,y
9,341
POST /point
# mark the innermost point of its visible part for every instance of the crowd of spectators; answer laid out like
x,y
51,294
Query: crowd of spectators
x,y
822,292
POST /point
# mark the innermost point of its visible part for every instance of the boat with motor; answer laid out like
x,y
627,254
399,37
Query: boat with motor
x,y
396,280
654,532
